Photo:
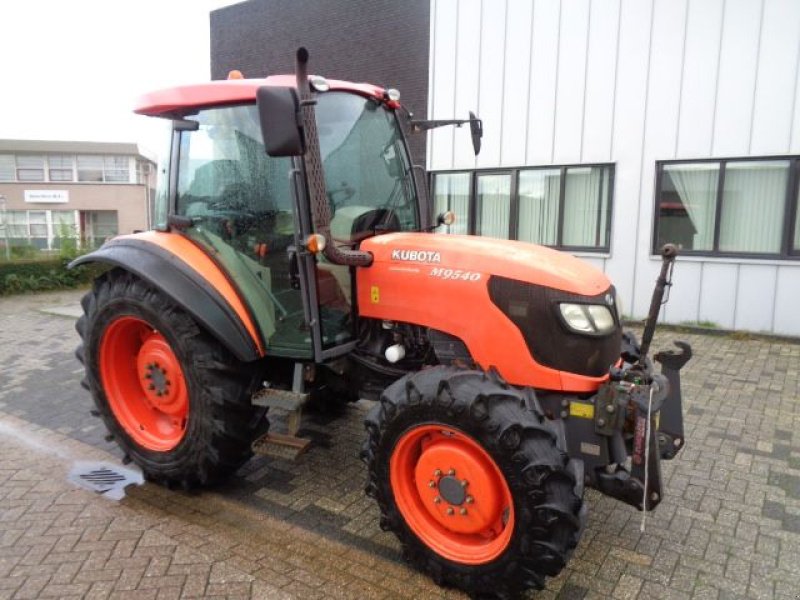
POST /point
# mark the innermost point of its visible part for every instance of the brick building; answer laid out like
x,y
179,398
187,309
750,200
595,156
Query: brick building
x,y
51,190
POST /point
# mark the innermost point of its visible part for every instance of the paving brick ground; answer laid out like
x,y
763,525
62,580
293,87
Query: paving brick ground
x,y
728,528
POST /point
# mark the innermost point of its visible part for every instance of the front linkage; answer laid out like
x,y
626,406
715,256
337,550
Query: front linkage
x,y
636,418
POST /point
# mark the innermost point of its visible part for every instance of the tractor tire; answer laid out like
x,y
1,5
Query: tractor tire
x,y
474,481
174,399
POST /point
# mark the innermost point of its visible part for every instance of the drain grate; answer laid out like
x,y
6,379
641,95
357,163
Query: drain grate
x,y
104,478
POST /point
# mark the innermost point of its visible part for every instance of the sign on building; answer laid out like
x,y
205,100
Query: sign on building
x,y
47,196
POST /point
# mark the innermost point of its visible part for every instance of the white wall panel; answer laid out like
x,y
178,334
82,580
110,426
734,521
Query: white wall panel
x,y
443,48
718,293
493,35
661,124
794,135
467,78
684,295
698,88
516,85
627,140
544,65
755,297
737,77
574,36
598,109
787,308
630,82
775,85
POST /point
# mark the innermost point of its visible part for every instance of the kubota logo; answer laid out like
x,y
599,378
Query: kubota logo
x,y
420,256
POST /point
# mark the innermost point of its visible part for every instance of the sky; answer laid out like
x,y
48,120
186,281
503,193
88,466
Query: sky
x,y
72,69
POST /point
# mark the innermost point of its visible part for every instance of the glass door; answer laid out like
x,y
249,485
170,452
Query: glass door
x,y
240,204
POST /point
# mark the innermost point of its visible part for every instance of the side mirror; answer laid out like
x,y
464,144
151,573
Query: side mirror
x,y
476,131
278,111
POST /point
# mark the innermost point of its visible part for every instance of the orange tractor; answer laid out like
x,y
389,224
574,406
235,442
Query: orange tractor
x,y
293,259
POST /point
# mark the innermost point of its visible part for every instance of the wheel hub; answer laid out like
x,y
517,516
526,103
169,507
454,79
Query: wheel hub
x,y
161,379
452,490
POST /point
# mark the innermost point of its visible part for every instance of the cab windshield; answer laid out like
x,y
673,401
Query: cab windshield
x,y
240,203
367,173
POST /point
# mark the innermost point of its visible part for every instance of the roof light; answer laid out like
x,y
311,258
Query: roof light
x,y
393,95
235,74
320,84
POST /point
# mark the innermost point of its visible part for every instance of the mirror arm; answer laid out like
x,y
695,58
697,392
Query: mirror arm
x,y
423,125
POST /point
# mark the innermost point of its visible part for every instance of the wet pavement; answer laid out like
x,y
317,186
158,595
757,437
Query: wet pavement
x,y
729,526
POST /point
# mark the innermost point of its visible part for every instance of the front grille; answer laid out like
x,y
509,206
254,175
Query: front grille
x,y
534,310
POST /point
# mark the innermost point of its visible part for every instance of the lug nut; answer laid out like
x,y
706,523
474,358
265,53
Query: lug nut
x,y
437,500
463,512
601,422
431,484
151,387
437,473
450,510
610,408
469,500
451,472
464,483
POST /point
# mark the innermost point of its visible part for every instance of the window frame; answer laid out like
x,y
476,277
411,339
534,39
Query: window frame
x,y
791,202
514,172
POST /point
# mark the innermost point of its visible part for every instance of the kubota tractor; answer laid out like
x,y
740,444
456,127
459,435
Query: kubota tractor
x,y
293,260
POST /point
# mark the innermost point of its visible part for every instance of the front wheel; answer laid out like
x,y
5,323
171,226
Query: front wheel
x,y
474,481
177,403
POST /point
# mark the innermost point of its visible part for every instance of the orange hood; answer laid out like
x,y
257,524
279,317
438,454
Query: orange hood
x,y
505,258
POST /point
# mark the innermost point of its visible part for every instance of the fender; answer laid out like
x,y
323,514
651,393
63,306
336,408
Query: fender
x,y
181,270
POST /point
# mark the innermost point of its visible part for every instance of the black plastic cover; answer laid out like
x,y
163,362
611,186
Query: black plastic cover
x,y
534,309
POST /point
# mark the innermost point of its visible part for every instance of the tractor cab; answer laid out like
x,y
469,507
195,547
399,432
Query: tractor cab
x,y
249,209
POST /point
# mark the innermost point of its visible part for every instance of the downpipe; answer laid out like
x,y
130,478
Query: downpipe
x,y
315,176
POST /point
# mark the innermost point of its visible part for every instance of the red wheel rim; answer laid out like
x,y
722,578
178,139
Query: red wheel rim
x,y
452,494
144,384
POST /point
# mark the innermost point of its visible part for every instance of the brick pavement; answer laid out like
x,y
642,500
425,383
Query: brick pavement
x,y
729,526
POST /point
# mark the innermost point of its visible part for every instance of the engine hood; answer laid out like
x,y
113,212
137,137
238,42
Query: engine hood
x,y
505,258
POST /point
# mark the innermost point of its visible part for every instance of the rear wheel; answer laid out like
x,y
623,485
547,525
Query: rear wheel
x,y
474,481
175,400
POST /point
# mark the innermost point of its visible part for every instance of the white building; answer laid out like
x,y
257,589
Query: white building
x,y
612,126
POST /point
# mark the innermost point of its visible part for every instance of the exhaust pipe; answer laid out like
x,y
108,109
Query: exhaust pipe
x,y
320,208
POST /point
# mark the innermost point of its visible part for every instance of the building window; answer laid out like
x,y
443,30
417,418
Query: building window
x,y
116,169
90,168
30,167
7,167
451,193
493,207
43,229
734,207
565,207
60,167
98,226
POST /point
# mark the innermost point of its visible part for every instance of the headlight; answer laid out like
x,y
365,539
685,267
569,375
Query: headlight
x,y
587,318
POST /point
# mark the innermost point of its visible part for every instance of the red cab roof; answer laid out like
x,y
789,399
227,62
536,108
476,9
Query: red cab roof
x,y
231,91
